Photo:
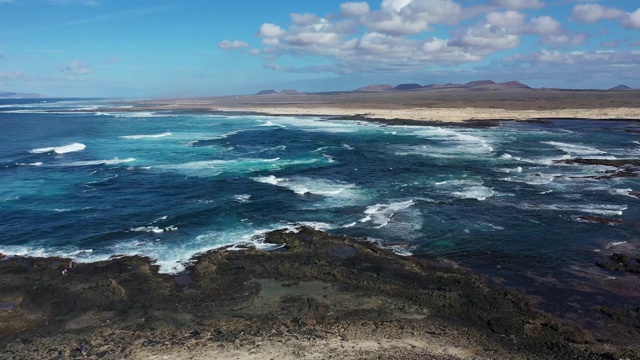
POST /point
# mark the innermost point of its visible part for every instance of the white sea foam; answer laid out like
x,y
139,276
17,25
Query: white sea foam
x,y
575,149
270,123
479,193
304,185
517,169
114,161
242,198
135,137
381,214
154,229
329,158
449,142
60,149
534,179
316,225
134,114
624,192
587,208
37,163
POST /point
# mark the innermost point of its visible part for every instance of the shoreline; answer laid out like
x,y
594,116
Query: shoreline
x,y
439,106
446,115
319,295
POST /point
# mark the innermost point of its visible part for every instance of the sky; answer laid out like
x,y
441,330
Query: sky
x,y
158,48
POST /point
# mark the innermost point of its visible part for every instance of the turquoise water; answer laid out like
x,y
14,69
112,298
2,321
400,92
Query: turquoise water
x,y
92,185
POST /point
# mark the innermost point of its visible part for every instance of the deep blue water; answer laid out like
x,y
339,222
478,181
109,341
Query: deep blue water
x,y
92,185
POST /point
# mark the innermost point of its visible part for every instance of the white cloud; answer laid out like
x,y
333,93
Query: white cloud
x,y
403,17
304,19
486,38
592,13
564,39
269,30
544,25
232,45
518,4
354,9
76,68
632,20
508,19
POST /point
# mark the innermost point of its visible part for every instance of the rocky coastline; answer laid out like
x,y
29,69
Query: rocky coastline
x,y
318,296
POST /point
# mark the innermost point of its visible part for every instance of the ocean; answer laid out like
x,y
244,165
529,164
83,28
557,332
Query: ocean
x,y
79,182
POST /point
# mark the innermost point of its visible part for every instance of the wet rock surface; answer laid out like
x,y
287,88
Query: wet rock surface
x,y
318,295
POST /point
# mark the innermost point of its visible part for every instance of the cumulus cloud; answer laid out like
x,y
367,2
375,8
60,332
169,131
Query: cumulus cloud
x,y
269,30
486,38
592,13
518,4
351,9
508,19
544,25
632,20
76,68
398,35
232,45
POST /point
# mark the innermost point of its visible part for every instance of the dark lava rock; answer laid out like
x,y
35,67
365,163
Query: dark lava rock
x,y
621,262
316,283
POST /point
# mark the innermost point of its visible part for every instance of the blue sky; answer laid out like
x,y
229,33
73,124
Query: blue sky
x,y
156,48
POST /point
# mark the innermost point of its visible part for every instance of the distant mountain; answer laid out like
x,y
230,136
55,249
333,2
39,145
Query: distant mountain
x,y
514,85
266,92
377,87
407,87
289,92
621,87
479,83
16,95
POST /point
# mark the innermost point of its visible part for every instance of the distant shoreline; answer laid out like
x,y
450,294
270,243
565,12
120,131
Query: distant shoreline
x,y
430,106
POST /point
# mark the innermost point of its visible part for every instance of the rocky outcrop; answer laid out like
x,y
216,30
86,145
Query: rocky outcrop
x,y
316,285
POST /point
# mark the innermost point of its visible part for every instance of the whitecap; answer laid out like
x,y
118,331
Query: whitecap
x,y
381,214
479,193
114,161
60,149
322,187
624,192
316,225
37,163
242,198
154,229
575,149
136,137
533,179
587,208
